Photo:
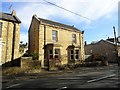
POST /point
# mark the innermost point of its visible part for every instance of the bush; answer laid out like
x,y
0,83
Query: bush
x,y
34,55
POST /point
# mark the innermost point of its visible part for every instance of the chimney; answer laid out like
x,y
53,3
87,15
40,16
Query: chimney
x,y
13,13
85,43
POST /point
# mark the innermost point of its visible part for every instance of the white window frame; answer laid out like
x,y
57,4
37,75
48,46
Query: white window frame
x,y
50,53
74,40
58,53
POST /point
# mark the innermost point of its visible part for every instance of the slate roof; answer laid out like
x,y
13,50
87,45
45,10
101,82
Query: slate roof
x,y
58,24
112,43
9,17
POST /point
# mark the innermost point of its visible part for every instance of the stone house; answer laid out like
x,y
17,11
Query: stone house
x,y
1,44
103,47
53,40
10,36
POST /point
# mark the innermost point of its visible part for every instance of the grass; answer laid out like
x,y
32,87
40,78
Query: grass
x,y
9,71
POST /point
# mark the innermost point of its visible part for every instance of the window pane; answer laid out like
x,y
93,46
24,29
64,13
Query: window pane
x,y
77,57
54,35
72,56
76,51
51,52
71,51
56,56
74,38
57,51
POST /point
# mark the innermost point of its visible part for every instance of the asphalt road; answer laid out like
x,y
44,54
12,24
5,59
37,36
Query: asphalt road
x,y
107,77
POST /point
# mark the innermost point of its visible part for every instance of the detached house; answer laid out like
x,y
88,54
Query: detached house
x,y
9,36
53,40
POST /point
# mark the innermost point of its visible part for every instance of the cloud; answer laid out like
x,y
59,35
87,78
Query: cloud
x,y
92,9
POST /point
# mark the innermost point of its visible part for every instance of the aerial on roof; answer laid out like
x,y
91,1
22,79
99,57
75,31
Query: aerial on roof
x,y
57,24
9,17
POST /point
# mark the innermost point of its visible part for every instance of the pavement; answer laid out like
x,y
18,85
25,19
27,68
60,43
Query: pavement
x,y
81,77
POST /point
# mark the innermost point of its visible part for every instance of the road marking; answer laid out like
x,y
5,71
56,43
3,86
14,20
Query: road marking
x,y
61,88
13,85
73,78
101,78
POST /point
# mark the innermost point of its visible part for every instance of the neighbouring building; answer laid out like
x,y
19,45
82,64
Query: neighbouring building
x,y
55,40
10,36
104,47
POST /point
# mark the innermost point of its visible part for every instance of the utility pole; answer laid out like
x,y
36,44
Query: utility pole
x,y
115,35
116,46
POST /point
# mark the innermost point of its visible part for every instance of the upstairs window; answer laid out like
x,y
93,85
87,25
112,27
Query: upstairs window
x,y
73,38
54,36
0,29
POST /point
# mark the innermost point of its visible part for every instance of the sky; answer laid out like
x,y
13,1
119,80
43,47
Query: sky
x,y
100,15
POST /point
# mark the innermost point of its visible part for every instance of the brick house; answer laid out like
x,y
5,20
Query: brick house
x,y
10,36
55,40
103,47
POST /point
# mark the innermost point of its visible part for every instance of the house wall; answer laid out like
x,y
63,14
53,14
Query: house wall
x,y
7,38
102,48
1,44
33,37
118,51
64,39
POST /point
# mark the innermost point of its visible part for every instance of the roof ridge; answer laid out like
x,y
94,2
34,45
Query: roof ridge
x,y
9,17
55,22
58,23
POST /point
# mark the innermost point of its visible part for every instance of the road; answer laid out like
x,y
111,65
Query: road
x,y
107,77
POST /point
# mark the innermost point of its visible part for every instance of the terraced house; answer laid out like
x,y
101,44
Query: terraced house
x,y
56,41
9,36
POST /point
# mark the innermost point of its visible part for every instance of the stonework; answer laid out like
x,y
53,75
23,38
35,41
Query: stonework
x,y
103,47
40,40
1,45
10,28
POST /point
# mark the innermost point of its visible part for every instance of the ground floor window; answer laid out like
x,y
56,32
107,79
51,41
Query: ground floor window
x,y
76,54
50,54
71,54
57,53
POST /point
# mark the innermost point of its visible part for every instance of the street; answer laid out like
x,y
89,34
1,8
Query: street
x,y
89,77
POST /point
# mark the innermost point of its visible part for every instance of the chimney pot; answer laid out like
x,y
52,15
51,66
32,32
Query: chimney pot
x,y
13,13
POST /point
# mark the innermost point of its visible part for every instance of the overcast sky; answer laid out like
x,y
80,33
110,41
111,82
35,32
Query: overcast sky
x,y
102,15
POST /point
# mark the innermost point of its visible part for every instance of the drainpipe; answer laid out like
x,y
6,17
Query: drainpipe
x,y
13,44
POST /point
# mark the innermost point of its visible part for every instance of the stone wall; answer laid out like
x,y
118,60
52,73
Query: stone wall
x,y
102,48
118,51
7,39
27,63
